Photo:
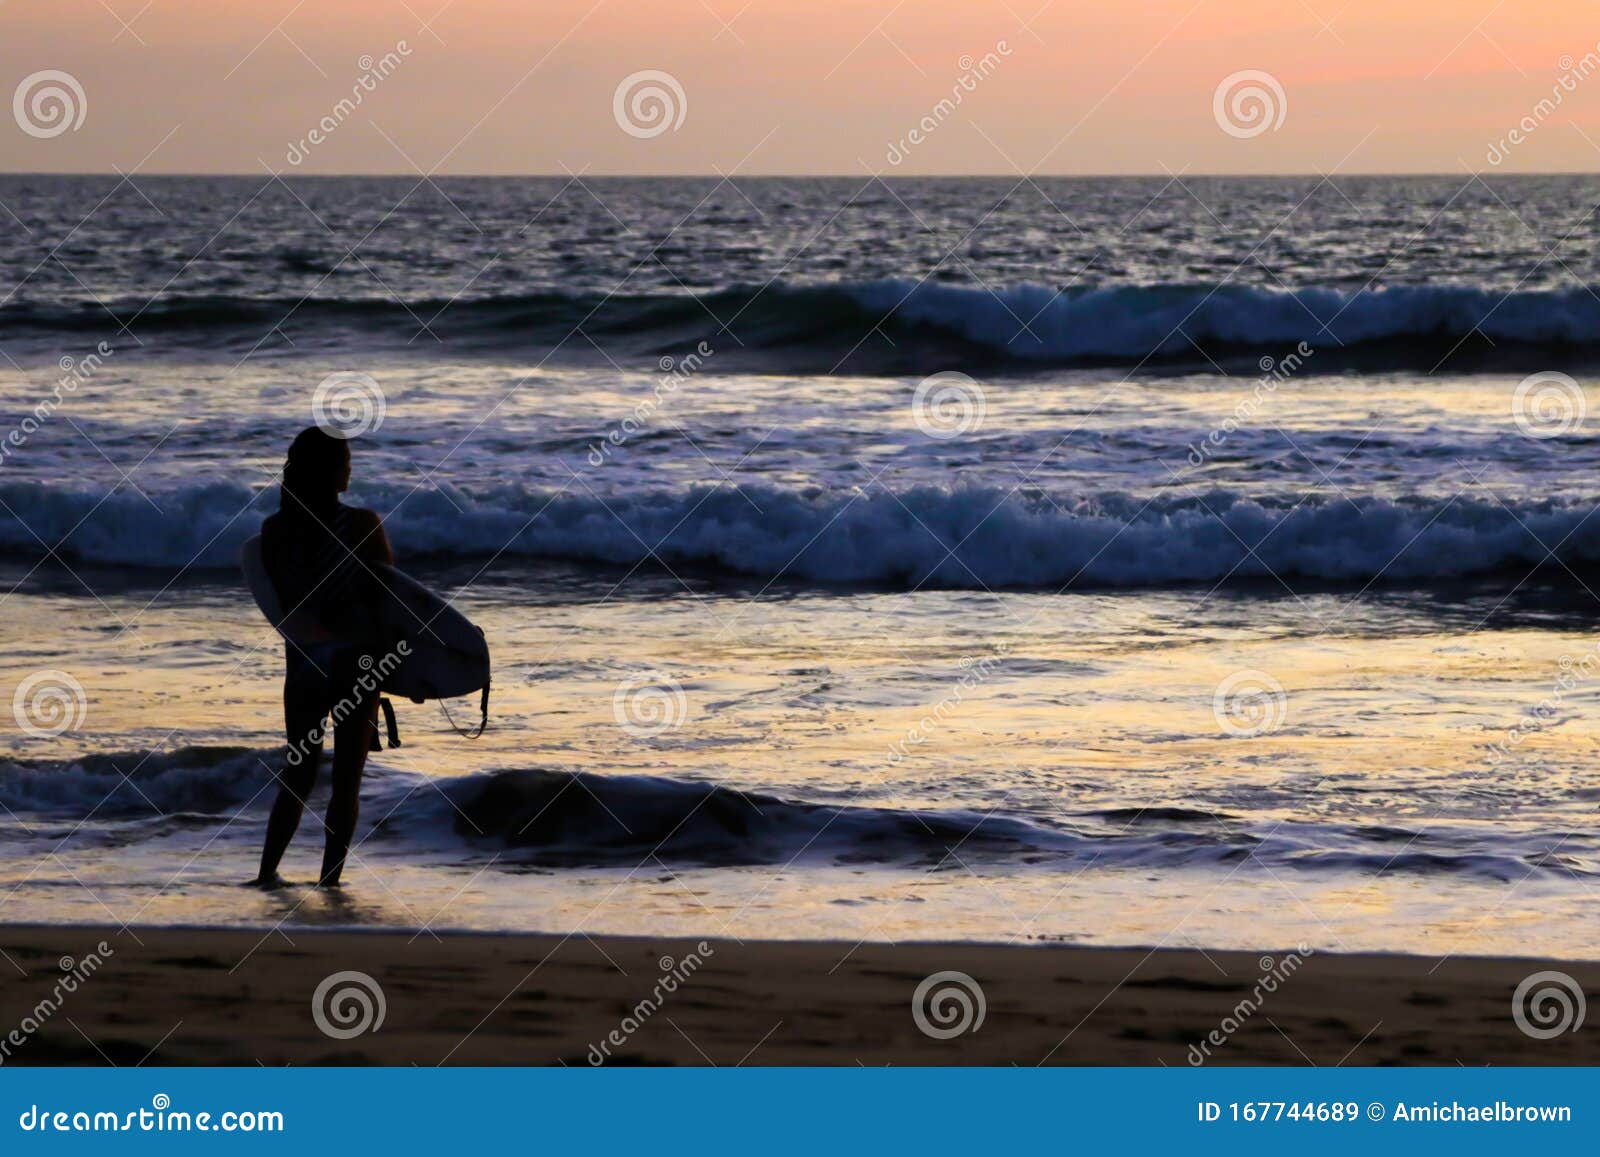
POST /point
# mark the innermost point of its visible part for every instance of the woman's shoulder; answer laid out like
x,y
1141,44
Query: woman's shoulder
x,y
363,531
360,518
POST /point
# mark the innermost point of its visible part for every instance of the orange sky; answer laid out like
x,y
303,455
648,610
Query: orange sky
x,y
781,86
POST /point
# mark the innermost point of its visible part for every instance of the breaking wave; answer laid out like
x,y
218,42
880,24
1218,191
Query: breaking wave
x,y
930,326
922,537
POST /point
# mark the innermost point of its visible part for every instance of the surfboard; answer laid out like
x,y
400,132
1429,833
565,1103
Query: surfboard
x,y
448,654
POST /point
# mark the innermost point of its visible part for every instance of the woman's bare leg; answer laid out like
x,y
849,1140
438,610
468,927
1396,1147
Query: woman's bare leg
x,y
352,737
303,726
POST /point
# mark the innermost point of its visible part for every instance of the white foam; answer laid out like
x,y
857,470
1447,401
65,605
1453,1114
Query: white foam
x,y
1038,321
199,780
961,537
530,816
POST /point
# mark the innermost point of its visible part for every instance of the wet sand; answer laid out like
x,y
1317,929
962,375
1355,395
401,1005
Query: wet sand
x,y
190,997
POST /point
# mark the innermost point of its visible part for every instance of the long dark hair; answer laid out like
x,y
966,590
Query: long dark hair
x,y
312,478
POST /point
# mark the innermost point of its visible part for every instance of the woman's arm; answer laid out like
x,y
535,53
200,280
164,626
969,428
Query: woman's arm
x,y
372,544
297,623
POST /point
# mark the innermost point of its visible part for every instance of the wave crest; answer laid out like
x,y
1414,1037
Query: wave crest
x,y
930,326
925,537
556,819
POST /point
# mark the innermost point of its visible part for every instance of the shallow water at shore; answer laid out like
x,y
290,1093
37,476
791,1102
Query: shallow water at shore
x,y
850,765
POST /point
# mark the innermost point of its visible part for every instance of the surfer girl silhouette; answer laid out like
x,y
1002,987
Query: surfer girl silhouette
x,y
318,553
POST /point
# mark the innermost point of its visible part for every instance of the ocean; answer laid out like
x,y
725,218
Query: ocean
x,y
1147,561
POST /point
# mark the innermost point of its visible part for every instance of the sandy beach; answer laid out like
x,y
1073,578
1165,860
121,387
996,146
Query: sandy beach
x,y
185,997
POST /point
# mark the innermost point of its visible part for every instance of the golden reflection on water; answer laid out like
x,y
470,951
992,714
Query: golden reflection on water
x,y
1057,708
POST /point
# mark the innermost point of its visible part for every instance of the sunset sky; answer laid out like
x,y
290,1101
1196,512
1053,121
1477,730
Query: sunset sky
x,y
782,86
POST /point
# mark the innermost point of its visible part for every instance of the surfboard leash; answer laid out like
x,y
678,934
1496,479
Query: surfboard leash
x,y
483,715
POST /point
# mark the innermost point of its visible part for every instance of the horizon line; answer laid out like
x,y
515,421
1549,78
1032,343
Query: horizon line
x,y
579,177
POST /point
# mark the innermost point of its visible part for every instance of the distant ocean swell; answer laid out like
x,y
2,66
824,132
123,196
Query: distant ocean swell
x,y
929,324
960,537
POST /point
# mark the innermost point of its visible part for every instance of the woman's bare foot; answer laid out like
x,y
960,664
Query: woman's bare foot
x,y
267,883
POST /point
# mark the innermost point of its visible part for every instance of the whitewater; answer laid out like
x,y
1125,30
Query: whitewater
x,y
960,537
